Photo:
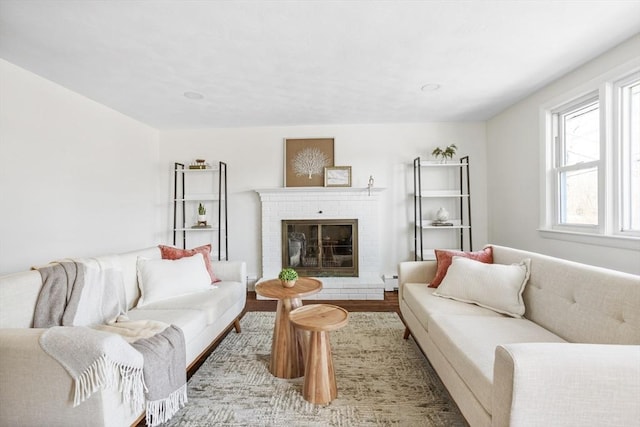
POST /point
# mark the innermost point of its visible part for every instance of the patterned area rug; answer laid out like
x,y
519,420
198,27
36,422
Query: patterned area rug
x,y
383,380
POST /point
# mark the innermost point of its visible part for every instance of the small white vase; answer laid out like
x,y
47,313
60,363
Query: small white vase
x,y
442,214
202,218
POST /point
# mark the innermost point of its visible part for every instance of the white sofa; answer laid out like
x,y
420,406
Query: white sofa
x,y
572,360
35,389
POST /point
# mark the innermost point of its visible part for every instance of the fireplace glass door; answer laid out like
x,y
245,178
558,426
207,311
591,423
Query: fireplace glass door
x,y
321,248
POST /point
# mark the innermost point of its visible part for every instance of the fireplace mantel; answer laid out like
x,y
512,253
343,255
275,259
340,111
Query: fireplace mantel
x,y
291,203
323,192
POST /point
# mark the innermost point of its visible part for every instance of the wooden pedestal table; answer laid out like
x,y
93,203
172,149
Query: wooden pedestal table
x,y
287,360
319,377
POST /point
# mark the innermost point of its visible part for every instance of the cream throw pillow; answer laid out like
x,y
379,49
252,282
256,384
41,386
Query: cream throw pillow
x,y
160,279
497,287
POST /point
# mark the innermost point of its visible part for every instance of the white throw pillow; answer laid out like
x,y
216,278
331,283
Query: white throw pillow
x,y
497,287
164,278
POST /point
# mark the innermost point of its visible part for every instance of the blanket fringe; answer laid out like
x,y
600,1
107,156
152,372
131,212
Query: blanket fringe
x,y
161,411
104,373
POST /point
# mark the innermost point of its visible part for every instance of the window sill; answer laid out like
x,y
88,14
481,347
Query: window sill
x,y
622,242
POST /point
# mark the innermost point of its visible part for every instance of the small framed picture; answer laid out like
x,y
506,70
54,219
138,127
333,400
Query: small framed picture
x,y
337,176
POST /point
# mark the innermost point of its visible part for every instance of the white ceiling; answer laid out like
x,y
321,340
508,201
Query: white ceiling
x,y
308,62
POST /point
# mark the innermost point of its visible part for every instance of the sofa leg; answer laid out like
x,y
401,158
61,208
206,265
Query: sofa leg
x,y
236,325
407,333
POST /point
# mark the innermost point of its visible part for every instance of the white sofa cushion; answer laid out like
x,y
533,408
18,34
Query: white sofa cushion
x,y
498,287
469,342
160,279
420,299
192,322
213,302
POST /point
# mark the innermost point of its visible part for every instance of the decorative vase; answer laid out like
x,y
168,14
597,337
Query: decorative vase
x,y
288,283
442,214
202,218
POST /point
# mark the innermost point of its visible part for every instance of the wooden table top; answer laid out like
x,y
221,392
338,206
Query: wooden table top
x,y
319,317
304,286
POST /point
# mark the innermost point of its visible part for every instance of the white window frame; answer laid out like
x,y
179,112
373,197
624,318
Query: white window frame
x,y
559,167
620,150
608,231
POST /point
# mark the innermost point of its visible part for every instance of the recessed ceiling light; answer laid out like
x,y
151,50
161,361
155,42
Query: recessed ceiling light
x,y
193,95
430,87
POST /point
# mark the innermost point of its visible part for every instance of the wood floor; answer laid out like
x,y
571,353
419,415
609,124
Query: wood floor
x,y
390,303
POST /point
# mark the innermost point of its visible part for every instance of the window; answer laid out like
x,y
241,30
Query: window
x,y
628,97
577,148
592,161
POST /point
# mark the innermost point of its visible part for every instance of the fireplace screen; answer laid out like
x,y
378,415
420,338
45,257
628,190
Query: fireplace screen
x,y
321,248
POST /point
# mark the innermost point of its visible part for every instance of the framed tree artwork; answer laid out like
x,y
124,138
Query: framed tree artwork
x,y
305,160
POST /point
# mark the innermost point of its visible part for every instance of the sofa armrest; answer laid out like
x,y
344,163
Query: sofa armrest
x,y
28,375
563,384
415,272
230,271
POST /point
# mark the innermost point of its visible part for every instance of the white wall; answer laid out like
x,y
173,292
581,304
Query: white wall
x,y
76,178
513,159
255,160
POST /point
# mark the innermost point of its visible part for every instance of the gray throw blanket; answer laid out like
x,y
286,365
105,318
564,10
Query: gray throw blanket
x,y
97,360
83,292
87,294
164,371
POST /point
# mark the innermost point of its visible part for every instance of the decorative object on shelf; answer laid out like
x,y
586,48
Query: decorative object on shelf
x,y
202,215
199,164
305,160
370,185
442,214
445,154
288,277
337,176
201,226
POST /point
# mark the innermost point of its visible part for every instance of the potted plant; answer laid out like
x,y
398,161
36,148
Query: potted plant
x,y
202,213
448,152
288,277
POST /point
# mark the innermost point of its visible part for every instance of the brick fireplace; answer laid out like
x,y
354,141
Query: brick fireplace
x,y
320,203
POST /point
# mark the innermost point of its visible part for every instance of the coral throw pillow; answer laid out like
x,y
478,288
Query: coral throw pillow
x,y
444,257
171,252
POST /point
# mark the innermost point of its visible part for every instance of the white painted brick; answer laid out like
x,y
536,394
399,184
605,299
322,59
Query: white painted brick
x,y
279,204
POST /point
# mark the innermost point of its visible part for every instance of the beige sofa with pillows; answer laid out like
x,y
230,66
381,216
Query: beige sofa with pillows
x,y
523,339
35,390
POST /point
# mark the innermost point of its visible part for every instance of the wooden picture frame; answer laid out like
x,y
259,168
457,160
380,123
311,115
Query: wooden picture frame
x,y
305,160
337,176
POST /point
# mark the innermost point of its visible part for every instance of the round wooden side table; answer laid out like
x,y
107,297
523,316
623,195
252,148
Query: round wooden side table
x,y
287,359
319,377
